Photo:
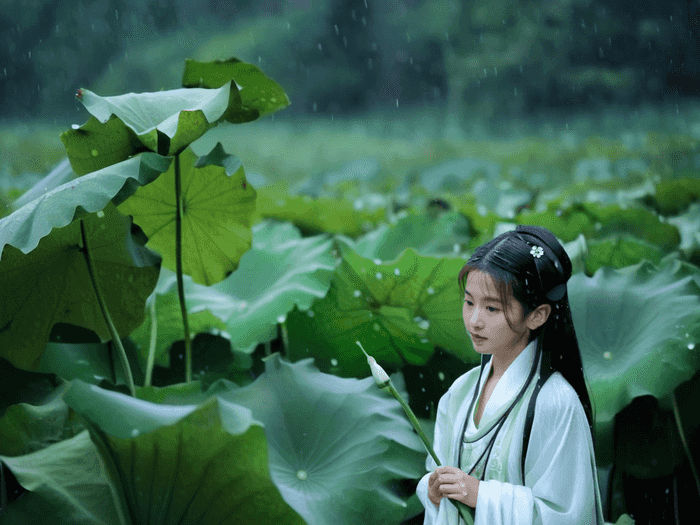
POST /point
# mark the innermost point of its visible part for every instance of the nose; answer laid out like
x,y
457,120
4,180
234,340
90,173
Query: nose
x,y
475,319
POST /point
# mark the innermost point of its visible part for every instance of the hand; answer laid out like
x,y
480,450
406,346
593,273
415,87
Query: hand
x,y
455,484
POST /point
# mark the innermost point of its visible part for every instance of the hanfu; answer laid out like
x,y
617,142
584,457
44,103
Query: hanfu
x,y
561,483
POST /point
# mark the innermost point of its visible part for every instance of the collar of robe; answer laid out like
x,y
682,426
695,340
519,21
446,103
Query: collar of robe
x,y
509,389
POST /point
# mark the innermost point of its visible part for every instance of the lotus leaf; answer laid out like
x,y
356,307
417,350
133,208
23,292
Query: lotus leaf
x,y
256,96
280,271
334,443
205,463
637,329
51,284
67,482
28,427
427,234
675,195
620,251
453,175
688,225
399,310
217,203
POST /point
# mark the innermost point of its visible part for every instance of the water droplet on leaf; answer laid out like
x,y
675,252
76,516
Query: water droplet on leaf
x,y
310,313
357,293
396,271
378,275
135,432
281,319
301,474
431,291
607,355
94,153
100,214
334,362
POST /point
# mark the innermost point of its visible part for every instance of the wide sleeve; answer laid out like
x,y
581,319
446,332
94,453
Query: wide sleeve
x,y
559,483
443,433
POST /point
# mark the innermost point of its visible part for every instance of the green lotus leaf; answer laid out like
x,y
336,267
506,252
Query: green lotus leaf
x,y
688,225
25,227
620,251
217,203
566,224
67,483
51,284
281,270
95,145
328,436
91,362
637,221
399,310
256,96
213,457
357,172
444,235
673,196
637,329
313,216
28,427
165,122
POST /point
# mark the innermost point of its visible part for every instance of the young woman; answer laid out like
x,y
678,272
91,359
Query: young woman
x,y
516,433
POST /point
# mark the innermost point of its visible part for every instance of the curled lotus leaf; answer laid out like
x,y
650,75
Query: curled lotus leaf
x,y
637,329
327,436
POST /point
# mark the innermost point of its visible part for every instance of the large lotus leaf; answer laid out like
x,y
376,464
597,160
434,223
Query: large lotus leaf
x,y
427,234
51,284
205,463
315,215
482,222
567,223
96,145
164,122
163,309
620,251
25,227
637,329
67,483
281,270
328,436
217,203
257,94
28,427
399,310
637,221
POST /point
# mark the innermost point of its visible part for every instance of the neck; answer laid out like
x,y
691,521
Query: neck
x,y
500,362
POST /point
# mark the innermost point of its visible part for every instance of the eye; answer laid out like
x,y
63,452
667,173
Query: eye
x,y
492,309
468,302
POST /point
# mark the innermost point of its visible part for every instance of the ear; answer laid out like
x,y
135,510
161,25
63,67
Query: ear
x,y
538,316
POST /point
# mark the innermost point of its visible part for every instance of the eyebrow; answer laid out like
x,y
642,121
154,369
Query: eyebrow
x,y
488,298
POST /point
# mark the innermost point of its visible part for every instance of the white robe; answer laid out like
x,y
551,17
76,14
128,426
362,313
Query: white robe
x,y
561,482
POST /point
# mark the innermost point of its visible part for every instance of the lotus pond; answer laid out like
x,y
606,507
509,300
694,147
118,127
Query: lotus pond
x,y
178,330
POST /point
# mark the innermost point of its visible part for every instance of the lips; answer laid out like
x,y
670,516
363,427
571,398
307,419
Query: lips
x,y
478,337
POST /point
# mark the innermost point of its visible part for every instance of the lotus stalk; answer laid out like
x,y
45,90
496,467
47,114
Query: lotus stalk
x,y
384,381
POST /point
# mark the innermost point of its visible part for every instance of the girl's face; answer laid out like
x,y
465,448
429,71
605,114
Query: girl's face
x,y
485,316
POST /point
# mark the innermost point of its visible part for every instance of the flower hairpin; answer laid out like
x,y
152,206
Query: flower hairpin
x,y
537,251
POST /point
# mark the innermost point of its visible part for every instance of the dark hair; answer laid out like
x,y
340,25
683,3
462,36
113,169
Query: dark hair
x,y
510,259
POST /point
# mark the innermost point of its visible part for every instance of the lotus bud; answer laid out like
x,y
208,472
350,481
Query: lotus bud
x,y
379,374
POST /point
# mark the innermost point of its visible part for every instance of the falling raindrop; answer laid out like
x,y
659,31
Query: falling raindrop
x,y
396,271
422,389
420,375
301,474
334,362
691,346
180,356
135,432
281,319
441,376
357,293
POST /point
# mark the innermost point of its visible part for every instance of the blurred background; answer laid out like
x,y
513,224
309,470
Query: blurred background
x,y
418,71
